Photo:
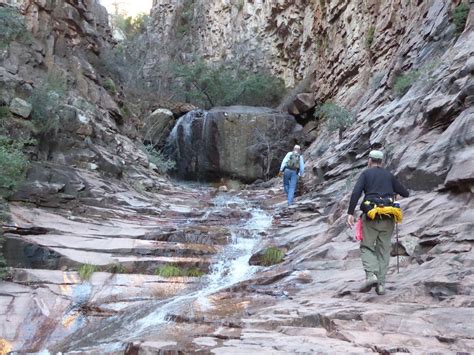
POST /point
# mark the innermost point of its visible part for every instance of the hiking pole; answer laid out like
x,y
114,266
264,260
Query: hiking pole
x,y
396,248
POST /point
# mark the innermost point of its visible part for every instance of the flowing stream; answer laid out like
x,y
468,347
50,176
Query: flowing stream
x,y
230,267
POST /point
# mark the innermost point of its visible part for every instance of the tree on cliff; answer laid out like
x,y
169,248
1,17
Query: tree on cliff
x,y
209,85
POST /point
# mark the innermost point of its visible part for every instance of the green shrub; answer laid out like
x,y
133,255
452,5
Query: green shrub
x,y
272,256
162,163
46,101
176,271
370,36
109,85
208,85
12,26
337,118
4,112
13,165
86,271
460,15
131,26
117,269
404,82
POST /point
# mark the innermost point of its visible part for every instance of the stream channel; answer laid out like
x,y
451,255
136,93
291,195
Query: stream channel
x,y
230,267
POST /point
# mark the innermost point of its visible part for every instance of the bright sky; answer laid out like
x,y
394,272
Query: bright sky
x,y
130,7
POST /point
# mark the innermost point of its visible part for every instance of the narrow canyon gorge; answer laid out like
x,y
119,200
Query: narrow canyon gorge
x,y
141,207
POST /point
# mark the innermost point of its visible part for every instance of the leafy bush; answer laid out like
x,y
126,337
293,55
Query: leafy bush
x,y
13,164
460,15
161,162
404,82
86,271
130,26
176,271
185,18
272,256
4,112
109,85
209,85
12,26
46,102
337,118
370,36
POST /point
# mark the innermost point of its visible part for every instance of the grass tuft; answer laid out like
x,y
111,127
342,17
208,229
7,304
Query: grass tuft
x,y
86,271
404,82
460,15
176,271
272,256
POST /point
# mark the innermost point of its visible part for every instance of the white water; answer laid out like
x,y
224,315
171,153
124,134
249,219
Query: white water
x,y
230,267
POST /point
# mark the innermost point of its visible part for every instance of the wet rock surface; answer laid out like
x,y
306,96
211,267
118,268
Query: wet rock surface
x,y
239,142
90,198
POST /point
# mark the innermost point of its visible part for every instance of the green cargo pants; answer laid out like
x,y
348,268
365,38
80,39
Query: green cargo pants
x,y
376,245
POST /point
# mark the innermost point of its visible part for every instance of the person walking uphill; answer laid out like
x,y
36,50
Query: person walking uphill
x,y
292,166
378,220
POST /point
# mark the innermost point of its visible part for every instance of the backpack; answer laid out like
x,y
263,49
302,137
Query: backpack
x,y
293,161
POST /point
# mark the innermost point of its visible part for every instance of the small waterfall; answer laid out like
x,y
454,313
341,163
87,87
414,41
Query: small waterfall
x,y
231,267
191,145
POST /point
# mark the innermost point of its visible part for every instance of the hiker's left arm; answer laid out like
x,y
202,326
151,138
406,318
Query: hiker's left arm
x,y
356,193
285,160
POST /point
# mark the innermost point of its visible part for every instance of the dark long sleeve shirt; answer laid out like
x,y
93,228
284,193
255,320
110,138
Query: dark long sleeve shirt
x,y
376,182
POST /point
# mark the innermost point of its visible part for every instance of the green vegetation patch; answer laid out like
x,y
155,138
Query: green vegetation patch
x,y
13,164
209,85
86,271
272,256
131,26
12,27
370,36
460,15
47,101
4,112
404,82
337,117
176,271
110,86
163,164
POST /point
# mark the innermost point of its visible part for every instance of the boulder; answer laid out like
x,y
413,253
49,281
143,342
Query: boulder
x,y
246,143
20,107
157,127
303,103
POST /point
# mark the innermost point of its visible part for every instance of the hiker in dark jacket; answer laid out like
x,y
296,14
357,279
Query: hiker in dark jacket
x,y
292,167
380,187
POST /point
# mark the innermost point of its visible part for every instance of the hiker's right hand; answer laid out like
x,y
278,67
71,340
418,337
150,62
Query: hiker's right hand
x,y
280,173
350,221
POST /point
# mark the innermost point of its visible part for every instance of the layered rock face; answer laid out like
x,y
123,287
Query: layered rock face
x,y
113,210
340,47
246,143
68,43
